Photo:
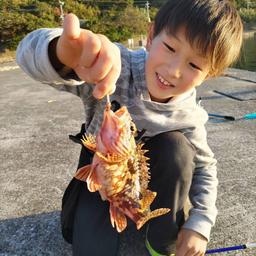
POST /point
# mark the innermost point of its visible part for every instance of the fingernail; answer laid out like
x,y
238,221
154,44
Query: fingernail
x,y
97,94
81,66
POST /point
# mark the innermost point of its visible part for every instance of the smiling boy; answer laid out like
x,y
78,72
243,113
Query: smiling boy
x,y
189,41
173,66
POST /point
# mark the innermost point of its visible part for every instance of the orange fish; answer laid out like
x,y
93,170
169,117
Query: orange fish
x,y
119,170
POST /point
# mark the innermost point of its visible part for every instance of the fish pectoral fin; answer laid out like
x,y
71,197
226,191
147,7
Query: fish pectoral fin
x,y
93,183
151,215
89,142
83,173
86,174
118,218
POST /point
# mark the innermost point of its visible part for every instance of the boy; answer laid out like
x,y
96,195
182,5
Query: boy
x,y
189,41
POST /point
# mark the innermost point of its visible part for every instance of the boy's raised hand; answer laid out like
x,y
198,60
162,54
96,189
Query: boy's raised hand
x,y
93,57
190,243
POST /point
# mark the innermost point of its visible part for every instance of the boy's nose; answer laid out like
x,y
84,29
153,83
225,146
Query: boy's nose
x,y
174,68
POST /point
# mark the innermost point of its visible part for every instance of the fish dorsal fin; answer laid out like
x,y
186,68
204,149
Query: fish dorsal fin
x,y
142,169
111,158
89,142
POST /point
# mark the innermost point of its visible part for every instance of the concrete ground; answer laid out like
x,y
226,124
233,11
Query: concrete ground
x,y
38,161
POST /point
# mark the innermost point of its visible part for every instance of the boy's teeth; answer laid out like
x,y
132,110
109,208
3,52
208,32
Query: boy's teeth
x,y
163,81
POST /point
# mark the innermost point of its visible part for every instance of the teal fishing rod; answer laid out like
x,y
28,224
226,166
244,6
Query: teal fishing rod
x,y
233,248
221,116
232,118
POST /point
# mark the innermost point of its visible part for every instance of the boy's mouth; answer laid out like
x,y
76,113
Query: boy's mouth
x,y
165,82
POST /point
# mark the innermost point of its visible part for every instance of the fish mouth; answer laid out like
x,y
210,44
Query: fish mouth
x,y
113,134
164,81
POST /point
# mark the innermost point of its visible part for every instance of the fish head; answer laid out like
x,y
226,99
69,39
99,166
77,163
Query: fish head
x,y
117,132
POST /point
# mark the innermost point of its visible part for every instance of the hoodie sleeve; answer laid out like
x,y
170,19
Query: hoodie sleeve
x,y
203,192
32,57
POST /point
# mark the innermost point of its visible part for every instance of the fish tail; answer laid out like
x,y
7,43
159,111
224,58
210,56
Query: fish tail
x,y
117,217
153,214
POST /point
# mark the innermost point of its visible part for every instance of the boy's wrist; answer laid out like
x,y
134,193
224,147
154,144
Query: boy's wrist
x,y
53,56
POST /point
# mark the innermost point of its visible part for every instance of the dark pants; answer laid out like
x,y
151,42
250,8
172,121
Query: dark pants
x,y
171,166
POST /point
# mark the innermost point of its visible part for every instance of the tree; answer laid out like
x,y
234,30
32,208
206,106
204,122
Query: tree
x,y
152,12
248,16
82,11
117,19
120,25
18,18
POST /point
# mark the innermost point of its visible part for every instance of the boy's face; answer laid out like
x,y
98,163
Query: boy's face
x,y
173,67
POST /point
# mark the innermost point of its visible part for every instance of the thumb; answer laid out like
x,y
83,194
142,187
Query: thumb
x,y
71,26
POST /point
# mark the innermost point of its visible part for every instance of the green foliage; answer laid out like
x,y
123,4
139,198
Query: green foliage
x,y
152,12
119,20
18,18
80,10
119,25
248,16
16,21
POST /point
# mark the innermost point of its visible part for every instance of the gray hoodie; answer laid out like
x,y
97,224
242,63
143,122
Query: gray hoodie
x,y
181,113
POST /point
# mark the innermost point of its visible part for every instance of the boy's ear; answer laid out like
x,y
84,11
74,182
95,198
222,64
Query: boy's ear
x,y
150,36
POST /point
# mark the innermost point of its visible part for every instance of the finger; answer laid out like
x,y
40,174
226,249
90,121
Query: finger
x,y
112,89
107,85
91,48
108,58
182,251
188,252
84,74
71,27
179,240
102,89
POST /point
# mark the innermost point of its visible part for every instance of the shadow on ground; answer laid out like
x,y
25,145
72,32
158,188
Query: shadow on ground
x,y
20,235
41,235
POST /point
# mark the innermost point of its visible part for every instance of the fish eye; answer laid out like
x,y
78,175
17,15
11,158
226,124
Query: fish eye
x,y
132,128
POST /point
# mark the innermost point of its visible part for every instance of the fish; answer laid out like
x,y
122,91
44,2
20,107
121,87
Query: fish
x,y
119,170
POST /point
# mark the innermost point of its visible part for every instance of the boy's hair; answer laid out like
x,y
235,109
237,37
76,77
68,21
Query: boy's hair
x,y
212,26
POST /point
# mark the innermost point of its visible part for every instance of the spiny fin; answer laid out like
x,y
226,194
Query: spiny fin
x,y
147,198
93,183
111,158
83,173
118,218
89,142
153,214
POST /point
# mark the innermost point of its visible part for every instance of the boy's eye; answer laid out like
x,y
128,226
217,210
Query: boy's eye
x,y
169,47
194,66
